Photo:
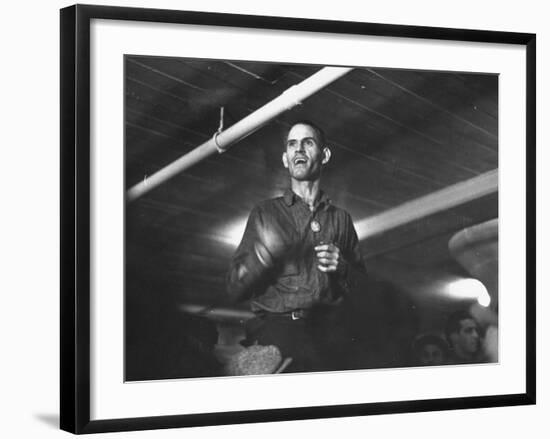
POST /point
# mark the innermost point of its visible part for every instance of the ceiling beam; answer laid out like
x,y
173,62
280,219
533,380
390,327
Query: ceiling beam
x,y
424,206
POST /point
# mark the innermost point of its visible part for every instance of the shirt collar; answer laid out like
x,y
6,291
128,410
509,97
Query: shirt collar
x,y
290,198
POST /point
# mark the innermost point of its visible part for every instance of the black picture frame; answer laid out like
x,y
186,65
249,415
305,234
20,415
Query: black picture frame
x,y
75,217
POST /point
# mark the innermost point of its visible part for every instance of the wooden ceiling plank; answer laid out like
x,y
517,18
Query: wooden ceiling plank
x,y
433,104
250,73
166,75
477,84
414,110
381,115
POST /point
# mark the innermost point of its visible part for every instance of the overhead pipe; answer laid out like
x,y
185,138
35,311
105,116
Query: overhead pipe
x,y
421,207
221,141
217,313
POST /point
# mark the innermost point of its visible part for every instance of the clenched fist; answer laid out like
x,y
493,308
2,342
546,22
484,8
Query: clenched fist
x,y
329,258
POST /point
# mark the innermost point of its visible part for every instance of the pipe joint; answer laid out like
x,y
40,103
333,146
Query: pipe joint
x,y
221,149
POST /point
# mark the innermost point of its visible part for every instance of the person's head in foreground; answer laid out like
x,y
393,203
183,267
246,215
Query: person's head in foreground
x,y
430,350
463,334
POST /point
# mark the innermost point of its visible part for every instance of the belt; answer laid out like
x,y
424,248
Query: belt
x,y
297,314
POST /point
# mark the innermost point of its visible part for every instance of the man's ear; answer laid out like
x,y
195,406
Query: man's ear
x,y
326,155
285,160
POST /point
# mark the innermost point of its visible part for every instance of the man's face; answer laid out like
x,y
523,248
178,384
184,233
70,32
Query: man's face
x,y
431,355
304,155
467,339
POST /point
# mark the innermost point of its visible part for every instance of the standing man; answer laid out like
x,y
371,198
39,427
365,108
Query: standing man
x,y
294,263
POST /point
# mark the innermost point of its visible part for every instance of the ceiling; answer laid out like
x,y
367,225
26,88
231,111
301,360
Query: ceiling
x,y
395,135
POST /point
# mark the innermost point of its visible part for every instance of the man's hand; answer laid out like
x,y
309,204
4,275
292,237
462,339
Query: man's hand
x,y
329,257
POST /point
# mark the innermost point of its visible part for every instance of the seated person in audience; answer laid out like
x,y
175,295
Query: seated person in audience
x,y
429,350
463,334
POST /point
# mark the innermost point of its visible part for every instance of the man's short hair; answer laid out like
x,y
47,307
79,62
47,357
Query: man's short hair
x,y
316,128
427,339
453,321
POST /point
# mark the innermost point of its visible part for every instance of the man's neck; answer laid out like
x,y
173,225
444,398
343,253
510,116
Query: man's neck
x,y
309,191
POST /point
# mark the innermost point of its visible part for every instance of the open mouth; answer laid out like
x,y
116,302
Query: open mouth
x,y
300,160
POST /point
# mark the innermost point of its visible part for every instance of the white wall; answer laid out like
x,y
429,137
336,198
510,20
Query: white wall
x,y
29,218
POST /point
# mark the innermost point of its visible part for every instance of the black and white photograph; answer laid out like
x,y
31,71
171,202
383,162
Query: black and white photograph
x,y
297,219
275,219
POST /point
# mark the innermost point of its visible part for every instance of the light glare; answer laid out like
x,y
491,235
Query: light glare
x,y
233,233
469,289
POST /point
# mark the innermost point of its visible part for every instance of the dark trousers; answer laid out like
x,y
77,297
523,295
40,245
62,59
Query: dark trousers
x,y
321,341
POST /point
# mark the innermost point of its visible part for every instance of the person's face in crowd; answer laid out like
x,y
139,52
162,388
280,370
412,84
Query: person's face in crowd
x,y
304,154
467,340
431,355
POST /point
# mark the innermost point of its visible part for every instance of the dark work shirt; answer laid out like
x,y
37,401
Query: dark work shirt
x,y
294,281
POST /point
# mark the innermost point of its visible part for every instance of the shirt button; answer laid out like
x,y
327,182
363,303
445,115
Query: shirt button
x,y
315,226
